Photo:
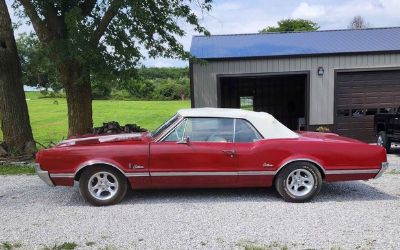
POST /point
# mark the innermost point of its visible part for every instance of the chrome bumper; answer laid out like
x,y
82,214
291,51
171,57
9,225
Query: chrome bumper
x,y
44,175
384,167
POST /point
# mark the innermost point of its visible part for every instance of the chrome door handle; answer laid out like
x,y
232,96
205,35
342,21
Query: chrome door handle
x,y
229,152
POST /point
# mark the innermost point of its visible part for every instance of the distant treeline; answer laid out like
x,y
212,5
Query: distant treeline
x,y
107,83
146,84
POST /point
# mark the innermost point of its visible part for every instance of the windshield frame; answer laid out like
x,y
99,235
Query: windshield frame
x,y
165,127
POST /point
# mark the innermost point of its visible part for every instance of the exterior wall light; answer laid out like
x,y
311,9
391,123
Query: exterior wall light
x,y
321,71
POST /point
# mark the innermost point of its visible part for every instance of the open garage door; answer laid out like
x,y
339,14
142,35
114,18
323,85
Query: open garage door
x,y
283,96
359,96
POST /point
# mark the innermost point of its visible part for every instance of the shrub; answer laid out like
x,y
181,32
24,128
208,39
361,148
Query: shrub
x,y
171,91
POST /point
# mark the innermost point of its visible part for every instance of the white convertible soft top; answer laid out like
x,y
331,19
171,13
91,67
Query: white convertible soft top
x,y
266,124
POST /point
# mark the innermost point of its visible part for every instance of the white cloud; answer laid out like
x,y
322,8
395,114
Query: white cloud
x,y
307,11
229,6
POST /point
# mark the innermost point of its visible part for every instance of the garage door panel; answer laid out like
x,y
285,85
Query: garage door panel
x,y
359,95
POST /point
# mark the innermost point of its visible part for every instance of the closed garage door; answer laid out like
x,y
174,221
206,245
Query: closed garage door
x,y
359,96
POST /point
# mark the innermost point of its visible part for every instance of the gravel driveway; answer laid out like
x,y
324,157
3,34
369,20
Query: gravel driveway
x,y
346,215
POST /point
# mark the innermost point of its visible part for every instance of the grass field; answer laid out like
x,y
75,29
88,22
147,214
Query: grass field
x,y
49,115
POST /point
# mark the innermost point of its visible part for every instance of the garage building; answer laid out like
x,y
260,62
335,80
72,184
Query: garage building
x,y
337,79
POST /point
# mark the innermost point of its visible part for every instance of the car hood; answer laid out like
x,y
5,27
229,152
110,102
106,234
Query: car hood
x,y
96,139
326,136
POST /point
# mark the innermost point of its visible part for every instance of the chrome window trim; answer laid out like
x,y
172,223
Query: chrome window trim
x,y
184,120
254,130
234,130
187,118
162,136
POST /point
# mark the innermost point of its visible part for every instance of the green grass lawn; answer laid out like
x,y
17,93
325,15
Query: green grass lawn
x,y
49,115
13,170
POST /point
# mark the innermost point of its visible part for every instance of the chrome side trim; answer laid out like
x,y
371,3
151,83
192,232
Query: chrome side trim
x,y
301,159
94,162
353,171
257,172
160,174
208,173
62,175
143,174
226,173
44,175
384,167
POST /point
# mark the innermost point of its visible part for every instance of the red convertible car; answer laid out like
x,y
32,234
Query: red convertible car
x,y
209,147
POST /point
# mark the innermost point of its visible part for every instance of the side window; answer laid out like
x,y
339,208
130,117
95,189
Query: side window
x,y
209,129
177,133
245,132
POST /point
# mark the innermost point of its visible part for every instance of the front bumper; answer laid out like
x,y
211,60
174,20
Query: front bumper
x,y
384,167
44,175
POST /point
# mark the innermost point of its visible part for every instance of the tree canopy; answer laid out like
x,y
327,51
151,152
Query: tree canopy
x,y
106,38
287,25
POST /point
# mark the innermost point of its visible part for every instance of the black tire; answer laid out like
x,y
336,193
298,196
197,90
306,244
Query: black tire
x,y
306,170
384,141
97,174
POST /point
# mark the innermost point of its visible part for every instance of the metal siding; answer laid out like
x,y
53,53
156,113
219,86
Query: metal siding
x,y
321,88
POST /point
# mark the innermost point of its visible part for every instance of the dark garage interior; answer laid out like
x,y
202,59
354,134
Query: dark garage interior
x,y
283,96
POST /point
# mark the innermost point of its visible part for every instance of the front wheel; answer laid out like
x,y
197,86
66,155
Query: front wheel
x,y
102,186
298,182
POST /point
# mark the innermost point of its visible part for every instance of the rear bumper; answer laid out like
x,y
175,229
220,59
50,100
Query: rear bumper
x,y
384,167
44,175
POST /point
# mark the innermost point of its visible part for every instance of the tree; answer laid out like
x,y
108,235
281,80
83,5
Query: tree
x,y
37,69
358,22
14,117
85,37
287,25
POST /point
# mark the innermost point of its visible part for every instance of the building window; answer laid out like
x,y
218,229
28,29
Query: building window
x,y
246,103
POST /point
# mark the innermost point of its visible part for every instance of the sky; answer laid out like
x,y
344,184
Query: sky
x,y
234,16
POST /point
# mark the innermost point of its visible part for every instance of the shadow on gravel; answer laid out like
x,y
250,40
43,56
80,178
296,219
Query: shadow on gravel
x,y
339,192
352,191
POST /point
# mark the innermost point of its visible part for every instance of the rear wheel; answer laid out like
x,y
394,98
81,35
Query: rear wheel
x,y
298,182
384,141
102,186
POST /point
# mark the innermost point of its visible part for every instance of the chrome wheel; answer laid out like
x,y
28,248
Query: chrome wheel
x,y
103,185
300,182
380,141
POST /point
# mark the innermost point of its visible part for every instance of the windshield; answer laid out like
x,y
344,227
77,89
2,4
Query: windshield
x,y
164,126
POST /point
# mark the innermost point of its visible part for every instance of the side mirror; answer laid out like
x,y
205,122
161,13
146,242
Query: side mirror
x,y
184,141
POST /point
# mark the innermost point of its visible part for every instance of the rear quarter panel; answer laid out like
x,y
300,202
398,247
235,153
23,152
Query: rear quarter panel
x,y
331,155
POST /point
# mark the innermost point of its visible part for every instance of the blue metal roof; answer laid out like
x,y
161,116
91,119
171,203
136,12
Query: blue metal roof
x,y
296,43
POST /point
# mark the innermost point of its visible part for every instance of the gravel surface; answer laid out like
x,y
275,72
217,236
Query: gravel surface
x,y
346,215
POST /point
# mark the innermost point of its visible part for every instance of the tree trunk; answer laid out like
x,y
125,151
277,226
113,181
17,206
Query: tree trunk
x,y
14,116
79,98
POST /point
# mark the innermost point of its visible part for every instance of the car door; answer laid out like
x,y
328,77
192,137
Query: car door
x,y
198,152
251,157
